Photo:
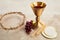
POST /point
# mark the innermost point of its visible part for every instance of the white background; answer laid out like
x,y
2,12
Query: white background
x,y
52,11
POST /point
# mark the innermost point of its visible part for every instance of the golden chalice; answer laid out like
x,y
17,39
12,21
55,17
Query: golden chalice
x,y
38,8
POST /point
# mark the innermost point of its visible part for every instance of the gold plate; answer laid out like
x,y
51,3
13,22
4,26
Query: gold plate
x,y
12,20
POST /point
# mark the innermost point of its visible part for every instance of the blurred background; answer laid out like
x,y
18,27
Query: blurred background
x,y
50,16
23,6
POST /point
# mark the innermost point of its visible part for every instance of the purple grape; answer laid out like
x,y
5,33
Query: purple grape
x,y
28,27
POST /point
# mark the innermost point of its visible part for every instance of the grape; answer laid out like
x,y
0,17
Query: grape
x,y
28,27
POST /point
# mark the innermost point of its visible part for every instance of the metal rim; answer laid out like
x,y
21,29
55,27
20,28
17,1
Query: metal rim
x,y
14,27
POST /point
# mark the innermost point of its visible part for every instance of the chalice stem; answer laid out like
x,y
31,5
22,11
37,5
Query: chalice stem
x,y
38,8
37,21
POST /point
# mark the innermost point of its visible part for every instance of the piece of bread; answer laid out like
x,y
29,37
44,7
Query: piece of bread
x,y
12,20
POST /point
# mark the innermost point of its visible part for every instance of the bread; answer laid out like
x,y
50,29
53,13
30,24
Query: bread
x,y
12,20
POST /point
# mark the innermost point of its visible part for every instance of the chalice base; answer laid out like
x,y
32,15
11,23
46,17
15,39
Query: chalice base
x,y
37,31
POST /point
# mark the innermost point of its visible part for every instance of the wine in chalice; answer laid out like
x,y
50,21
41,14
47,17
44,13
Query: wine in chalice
x,y
38,8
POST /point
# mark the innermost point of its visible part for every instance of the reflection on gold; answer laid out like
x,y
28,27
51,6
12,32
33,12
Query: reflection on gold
x,y
38,8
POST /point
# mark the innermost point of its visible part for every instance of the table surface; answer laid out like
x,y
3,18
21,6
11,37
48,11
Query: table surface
x,y
50,16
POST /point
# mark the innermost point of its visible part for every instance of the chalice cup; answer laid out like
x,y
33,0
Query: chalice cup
x,y
38,8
